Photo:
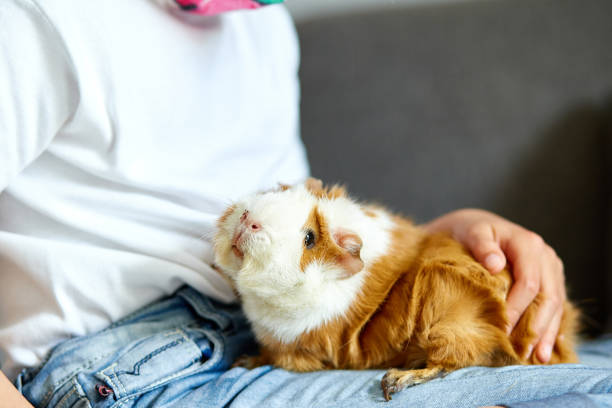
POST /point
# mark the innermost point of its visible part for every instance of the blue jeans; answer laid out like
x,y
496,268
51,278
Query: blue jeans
x,y
178,352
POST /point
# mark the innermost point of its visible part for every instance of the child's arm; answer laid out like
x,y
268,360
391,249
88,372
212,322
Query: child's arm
x,y
39,90
9,396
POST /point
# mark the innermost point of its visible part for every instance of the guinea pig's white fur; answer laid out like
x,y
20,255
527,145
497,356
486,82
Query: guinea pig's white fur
x,y
279,298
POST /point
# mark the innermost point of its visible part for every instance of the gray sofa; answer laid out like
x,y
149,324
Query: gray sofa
x,y
503,105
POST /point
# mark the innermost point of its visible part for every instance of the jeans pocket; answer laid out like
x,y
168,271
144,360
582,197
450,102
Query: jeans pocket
x,y
70,395
155,360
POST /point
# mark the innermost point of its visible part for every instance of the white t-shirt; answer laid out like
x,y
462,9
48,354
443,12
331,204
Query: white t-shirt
x,y
125,130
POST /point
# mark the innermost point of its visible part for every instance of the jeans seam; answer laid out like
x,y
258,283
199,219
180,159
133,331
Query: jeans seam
x,y
123,399
182,334
211,361
119,379
82,392
121,403
110,373
53,388
172,377
76,388
108,379
218,345
204,309
65,397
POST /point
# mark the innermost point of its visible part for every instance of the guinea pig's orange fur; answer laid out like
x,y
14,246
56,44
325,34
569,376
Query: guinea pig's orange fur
x,y
426,307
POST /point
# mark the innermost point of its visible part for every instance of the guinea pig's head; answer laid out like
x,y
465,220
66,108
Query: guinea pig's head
x,y
270,243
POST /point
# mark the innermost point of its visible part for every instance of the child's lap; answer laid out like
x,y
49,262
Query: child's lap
x,y
178,353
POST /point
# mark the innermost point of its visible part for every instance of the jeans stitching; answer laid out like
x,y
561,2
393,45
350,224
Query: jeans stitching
x,y
65,397
211,361
182,373
84,366
182,334
53,388
109,372
108,379
219,346
170,333
81,392
136,368
116,376
123,401
215,358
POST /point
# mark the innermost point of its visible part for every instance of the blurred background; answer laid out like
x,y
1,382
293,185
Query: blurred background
x,y
306,9
430,106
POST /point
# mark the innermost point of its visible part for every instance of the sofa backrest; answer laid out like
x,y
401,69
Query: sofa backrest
x,y
501,105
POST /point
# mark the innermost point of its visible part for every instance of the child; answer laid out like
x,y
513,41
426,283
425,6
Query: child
x,y
125,128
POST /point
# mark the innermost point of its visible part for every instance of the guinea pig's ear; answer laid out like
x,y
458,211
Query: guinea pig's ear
x,y
313,185
316,188
350,258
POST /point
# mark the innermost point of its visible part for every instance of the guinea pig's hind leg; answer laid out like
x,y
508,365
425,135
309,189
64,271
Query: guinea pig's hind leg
x,y
396,380
249,362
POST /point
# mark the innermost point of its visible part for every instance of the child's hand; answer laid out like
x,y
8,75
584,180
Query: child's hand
x,y
535,266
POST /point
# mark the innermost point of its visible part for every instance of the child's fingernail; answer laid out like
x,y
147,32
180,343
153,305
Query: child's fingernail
x,y
494,261
546,352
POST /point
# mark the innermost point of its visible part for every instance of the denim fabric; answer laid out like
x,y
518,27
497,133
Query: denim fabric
x,y
570,400
177,353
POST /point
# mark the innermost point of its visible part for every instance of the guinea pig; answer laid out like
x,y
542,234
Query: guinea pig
x,y
329,283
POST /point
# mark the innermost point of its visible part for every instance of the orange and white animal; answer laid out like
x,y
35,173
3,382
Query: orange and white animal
x,y
329,283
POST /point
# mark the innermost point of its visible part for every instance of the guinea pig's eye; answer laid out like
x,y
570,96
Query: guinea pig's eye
x,y
309,240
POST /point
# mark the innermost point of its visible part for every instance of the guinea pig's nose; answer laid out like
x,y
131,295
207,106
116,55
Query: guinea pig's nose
x,y
250,224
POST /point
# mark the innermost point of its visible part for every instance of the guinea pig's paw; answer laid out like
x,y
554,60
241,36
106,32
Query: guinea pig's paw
x,y
248,362
396,380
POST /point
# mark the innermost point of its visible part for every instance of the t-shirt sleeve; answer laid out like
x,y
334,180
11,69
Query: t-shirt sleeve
x,y
38,89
